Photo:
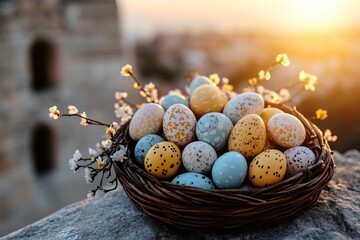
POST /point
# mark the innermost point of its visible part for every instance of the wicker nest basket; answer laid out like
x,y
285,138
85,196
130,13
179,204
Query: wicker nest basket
x,y
240,210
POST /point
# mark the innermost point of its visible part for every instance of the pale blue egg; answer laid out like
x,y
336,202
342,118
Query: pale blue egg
x,y
229,170
199,81
143,146
214,129
193,179
173,99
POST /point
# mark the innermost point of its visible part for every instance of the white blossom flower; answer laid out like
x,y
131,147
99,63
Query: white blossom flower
x,y
215,78
106,143
77,155
99,193
90,194
283,59
126,70
88,177
119,155
72,109
100,162
99,147
115,126
83,120
54,112
175,92
72,164
92,153
121,95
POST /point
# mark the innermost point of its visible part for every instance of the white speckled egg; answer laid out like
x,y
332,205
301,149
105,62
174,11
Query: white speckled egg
x,y
199,81
143,146
198,157
146,120
193,179
244,104
267,113
214,129
286,130
298,159
179,125
172,99
229,170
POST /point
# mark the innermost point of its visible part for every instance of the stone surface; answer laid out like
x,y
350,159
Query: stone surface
x,y
335,216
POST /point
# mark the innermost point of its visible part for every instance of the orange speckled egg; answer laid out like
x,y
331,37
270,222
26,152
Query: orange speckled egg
x,y
163,160
248,136
286,130
267,113
267,168
207,98
179,125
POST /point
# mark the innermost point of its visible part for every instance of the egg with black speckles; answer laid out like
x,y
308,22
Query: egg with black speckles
x,y
229,170
173,99
244,104
248,136
200,81
198,157
214,129
267,168
143,146
298,158
286,130
193,179
163,160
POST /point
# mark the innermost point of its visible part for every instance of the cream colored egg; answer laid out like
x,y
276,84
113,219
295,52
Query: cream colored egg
x,y
267,113
179,125
286,130
267,168
248,136
146,120
207,98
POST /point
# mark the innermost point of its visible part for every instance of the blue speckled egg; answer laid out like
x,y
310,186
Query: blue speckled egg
x,y
229,170
143,146
193,179
214,129
172,99
199,81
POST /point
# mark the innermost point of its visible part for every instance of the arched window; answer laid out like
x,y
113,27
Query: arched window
x,y
43,65
43,149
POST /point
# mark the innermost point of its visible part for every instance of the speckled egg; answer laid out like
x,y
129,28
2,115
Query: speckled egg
x,y
198,157
298,159
248,136
267,168
163,160
229,170
193,179
199,81
267,113
179,125
207,98
214,129
286,130
146,120
244,104
172,99
143,146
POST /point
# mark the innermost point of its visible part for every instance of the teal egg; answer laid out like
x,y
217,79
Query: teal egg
x,y
143,146
193,179
199,81
173,99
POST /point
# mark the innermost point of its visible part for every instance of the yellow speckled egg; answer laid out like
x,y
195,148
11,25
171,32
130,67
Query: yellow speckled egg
x,y
248,136
286,130
207,98
179,125
267,168
267,113
148,119
163,160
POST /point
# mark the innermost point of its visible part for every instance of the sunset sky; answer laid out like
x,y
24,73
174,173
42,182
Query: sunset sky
x,y
145,18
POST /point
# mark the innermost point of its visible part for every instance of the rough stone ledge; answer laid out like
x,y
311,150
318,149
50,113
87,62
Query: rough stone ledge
x,y
336,215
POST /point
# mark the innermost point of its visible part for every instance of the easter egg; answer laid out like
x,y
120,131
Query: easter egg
x,y
267,113
248,136
244,104
207,98
163,160
146,120
229,170
192,179
143,146
214,129
179,125
298,159
267,168
199,81
286,130
198,157
172,99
